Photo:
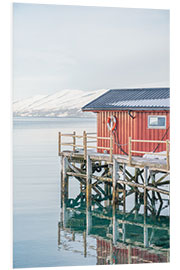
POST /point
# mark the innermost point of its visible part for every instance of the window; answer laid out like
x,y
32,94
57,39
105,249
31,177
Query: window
x,y
155,121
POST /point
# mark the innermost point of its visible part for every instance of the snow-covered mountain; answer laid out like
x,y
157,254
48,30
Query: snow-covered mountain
x,y
61,104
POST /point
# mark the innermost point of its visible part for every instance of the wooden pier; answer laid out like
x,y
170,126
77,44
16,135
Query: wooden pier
x,y
108,176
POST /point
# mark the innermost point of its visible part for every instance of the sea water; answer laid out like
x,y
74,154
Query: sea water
x,y
36,195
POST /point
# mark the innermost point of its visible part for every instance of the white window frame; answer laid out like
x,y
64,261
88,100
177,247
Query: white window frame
x,y
156,127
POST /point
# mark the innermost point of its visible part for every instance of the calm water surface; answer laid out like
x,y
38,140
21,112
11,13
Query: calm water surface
x,y
40,238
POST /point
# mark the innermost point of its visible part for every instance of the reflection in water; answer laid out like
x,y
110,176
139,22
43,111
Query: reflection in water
x,y
120,237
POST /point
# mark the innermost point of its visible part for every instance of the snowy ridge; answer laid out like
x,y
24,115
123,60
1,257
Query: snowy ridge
x,y
61,104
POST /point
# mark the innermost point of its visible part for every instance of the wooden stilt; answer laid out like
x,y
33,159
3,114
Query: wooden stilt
x,y
115,178
136,192
64,180
145,190
88,180
153,193
85,243
115,225
124,193
146,243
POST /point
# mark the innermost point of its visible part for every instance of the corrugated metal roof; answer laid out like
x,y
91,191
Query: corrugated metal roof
x,y
137,98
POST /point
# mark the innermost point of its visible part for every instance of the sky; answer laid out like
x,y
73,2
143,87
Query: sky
x,y
58,47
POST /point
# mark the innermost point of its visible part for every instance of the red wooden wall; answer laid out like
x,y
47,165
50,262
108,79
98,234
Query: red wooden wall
x,y
135,128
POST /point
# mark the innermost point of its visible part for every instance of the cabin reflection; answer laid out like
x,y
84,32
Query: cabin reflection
x,y
121,237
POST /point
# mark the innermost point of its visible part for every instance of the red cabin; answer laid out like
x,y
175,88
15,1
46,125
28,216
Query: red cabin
x,y
140,113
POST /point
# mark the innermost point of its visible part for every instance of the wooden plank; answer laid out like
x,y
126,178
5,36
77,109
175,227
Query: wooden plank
x,y
104,138
67,135
149,153
103,147
76,174
142,186
148,141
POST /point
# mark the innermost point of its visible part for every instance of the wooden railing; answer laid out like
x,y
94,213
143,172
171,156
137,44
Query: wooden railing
x,y
130,151
85,142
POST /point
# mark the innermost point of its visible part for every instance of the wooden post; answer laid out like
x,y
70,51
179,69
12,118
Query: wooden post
x,y
153,193
74,141
85,144
124,193
111,147
123,232
88,180
167,155
129,151
145,190
85,243
136,192
64,180
115,226
88,219
73,236
59,144
115,178
146,243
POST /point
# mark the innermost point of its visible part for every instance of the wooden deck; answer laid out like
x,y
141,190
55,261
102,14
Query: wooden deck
x,y
136,161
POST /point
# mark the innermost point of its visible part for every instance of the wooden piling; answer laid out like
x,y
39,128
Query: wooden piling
x,y
115,178
152,174
145,190
136,192
85,144
64,180
88,180
85,243
124,193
